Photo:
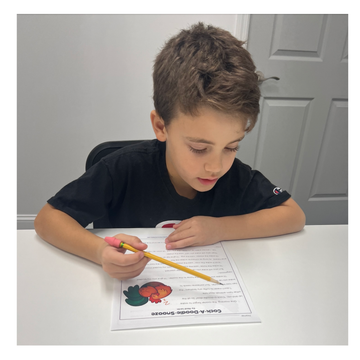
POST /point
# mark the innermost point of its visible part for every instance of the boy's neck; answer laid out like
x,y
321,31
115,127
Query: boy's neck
x,y
188,193
180,186
183,189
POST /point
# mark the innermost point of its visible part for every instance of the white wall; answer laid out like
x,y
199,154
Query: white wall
x,y
82,80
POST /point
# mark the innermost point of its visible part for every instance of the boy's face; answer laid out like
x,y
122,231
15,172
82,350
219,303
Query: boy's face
x,y
201,149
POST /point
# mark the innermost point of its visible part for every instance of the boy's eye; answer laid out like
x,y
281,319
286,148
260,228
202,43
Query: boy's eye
x,y
197,151
235,149
201,151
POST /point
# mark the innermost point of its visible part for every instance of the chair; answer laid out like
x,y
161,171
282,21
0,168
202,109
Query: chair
x,y
99,152
106,148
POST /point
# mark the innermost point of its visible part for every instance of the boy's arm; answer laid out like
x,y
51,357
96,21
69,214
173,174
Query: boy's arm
x,y
62,231
202,230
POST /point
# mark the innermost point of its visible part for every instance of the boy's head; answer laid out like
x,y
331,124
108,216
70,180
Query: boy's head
x,y
205,66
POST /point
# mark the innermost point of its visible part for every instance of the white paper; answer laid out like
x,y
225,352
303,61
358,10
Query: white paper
x,y
164,296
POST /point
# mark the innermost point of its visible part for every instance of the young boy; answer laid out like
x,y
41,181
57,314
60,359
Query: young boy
x,y
206,99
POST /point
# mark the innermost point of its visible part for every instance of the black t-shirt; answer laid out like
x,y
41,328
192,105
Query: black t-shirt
x,y
131,188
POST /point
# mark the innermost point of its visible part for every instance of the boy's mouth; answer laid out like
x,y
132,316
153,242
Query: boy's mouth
x,y
208,181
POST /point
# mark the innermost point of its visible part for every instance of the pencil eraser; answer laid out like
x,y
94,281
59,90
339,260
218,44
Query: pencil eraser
x,y
113,241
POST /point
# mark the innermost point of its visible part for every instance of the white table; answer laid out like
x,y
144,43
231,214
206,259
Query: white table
x,y
298,284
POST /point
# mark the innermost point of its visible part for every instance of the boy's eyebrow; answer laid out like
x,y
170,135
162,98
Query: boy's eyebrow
x,y
204,141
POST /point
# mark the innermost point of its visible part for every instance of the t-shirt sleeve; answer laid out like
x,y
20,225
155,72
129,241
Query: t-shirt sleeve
x,y
262,194
88,198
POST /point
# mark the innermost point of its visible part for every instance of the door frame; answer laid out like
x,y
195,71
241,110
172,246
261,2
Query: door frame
x,y
242,26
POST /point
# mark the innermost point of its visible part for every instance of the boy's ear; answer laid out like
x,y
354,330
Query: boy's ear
x,y
158,126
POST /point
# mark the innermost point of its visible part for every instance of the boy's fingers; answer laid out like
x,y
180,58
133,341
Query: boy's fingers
x,y
180,224
180,244
180,234
128,265
119,259
126,272
134,241
126,275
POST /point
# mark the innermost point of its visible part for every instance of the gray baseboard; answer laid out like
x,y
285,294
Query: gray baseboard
x,y
25,221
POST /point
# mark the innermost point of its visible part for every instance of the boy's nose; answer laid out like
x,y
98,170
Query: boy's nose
x,y
214,165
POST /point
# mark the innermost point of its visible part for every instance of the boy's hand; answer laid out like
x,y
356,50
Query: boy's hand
x,y
123,266
196,231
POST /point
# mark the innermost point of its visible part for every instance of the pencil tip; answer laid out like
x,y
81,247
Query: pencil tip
x,y
216,282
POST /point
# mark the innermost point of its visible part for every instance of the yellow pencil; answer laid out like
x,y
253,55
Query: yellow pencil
x,y
118,243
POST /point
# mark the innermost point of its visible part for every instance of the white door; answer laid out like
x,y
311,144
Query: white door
x,y
301,140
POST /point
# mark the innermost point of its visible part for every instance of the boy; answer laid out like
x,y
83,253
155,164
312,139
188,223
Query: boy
x,y
206,99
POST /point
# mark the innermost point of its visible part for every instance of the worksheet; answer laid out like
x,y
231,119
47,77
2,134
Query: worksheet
x,y
165,296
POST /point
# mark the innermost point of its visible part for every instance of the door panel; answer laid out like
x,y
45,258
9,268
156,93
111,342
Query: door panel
x,y
300,142
330,179
285,116
293,40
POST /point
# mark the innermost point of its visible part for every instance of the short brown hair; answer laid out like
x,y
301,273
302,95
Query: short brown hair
x,y
205,66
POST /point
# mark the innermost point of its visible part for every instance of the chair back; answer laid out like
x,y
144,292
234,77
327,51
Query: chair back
x,y
105,148
99,152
